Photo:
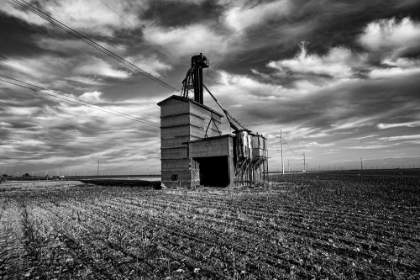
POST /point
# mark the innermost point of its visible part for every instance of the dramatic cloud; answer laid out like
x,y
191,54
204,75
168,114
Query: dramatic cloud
x,y
340,79
401,137
316,144
72,45
391,37
338,63
82,15
97,66
393,72
42,68
243,17
188,40
150,64
392,125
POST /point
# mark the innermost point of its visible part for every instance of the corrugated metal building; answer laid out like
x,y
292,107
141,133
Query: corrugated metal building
x,y
193,149
190,137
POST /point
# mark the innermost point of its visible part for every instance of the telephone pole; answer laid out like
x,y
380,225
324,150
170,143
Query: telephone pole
x,y
288,165
361,164
304,162
97,173
281,151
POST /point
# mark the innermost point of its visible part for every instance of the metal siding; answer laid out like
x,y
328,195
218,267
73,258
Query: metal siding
x,y
207,116
231,147
258,146
180,184
175,153
212,130
197,120
175,164
183,175
256,141
199,111
182,121
197,131
171,132
174,141
175,121
256,153
210,148
173,107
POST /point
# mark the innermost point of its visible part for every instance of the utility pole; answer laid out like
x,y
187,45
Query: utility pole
x,y
304,162
97,173
281,151
361,164
288,165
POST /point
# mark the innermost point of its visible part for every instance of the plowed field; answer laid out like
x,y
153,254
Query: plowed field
x,y
324,226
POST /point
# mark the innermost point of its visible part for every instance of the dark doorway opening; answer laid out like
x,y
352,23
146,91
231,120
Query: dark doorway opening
x,y
214,171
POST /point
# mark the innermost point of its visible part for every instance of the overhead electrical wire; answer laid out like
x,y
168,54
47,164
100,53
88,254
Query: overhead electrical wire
x,y
285,142
39,89
145,36
291,149
92,43
84,103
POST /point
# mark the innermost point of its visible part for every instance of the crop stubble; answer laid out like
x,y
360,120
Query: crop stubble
x,y
312,226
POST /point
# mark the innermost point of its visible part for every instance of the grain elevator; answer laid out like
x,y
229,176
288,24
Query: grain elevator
x,y
194,151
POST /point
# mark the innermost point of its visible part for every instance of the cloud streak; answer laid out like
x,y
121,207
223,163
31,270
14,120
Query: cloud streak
x,y
350,91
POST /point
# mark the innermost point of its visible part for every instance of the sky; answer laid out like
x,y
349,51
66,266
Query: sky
x,y
339,78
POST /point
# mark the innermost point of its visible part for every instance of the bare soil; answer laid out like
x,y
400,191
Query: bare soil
x,y
314,226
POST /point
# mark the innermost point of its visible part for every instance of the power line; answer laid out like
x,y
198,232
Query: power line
x,y
291,149
147,37
285,142
92,43
82,101
79,101
281,151
126,116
